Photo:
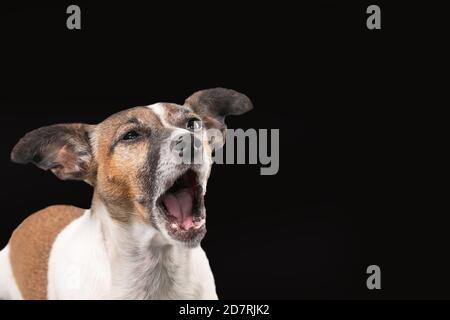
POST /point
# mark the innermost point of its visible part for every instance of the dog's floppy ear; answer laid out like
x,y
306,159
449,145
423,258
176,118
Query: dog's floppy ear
x,y
213,105
62,148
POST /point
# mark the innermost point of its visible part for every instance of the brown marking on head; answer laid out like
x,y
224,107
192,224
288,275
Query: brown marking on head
x,y
121,163
30,247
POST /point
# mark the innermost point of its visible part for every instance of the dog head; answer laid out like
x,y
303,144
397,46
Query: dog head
x,y
147,164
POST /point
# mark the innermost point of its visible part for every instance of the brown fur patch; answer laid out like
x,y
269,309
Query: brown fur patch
x,y
121,164
31,244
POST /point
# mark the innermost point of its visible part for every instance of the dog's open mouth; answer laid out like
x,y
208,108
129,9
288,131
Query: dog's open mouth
x,y
182,205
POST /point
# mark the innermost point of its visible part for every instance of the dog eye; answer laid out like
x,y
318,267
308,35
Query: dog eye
x,y
194,124
131,135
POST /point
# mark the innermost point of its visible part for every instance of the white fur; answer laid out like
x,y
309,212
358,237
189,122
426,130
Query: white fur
x,y
8,286
158,109
96,258
78,264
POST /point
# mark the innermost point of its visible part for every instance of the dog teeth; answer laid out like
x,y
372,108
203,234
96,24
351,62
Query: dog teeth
x,y
174,226
197,225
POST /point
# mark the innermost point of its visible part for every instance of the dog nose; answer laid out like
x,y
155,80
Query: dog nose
x,y
186,141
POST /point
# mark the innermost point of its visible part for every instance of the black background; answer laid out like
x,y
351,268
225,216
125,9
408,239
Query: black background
x,y
339,93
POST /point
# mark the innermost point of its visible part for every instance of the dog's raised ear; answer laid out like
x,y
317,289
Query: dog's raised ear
x,y
64,149
213,105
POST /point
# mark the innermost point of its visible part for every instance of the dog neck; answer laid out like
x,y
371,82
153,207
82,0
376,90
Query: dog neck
x,y
143,264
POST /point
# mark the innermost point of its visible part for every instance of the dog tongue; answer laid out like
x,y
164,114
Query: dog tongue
x,y
179,205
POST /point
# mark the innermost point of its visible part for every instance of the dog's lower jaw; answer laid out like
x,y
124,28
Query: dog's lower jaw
x,y
145,265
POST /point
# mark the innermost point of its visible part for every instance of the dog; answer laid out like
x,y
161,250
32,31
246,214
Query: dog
x,y
141,237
